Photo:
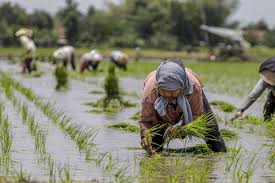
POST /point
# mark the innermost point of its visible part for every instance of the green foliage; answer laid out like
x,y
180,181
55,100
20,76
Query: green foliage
x,y
111,85
270,38
61,76
223,106
228,135
135,116
70,18
197,128
125,127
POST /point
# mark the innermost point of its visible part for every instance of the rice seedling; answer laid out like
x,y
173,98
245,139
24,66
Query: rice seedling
x,y
61,76
112,102
37,73
173,169
223,106
6,139
65,174
228,134
233,157
244,174
22,176
199,149
135,116
134,148
198,128
125,127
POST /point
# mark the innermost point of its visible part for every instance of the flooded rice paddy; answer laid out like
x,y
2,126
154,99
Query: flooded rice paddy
x,y
45,146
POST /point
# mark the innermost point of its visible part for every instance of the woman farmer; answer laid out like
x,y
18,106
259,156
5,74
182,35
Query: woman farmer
x,y
24,36
119,59
267,81
172,93
66,55
90,60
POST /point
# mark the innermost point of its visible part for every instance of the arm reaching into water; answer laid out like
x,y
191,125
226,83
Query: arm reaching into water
x,y
252,97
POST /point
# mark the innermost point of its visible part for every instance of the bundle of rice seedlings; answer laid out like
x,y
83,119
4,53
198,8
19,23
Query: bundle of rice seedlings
x,y
34,66
223,106
125,127
199,128
112,102
61,76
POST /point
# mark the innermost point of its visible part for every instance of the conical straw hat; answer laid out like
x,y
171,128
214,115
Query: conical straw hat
x,y
24,32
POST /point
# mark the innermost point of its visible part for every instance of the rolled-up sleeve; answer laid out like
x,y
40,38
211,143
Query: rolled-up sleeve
x,y
196,102
254,95
147,115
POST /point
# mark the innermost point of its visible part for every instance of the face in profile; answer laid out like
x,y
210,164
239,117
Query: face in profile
x,y
169,94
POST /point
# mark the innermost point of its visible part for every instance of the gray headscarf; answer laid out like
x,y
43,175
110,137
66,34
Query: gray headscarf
x,y
170,75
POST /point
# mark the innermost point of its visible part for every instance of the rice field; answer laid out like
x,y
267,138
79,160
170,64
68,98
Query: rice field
x,y
50,135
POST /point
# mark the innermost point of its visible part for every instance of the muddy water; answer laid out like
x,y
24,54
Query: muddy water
x,y
115,141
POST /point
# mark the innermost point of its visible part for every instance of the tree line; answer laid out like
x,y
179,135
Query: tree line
x,y
168,24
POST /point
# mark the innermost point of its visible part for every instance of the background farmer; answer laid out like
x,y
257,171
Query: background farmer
x,y
120,59
66,55
24,36
90,60
170,94
267,81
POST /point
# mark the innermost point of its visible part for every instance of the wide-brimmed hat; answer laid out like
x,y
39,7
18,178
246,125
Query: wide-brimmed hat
x,y
268,76
24,32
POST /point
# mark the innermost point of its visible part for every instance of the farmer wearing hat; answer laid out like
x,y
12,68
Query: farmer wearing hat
x,y
173,95
24,36
90,59
66,55
267,81
120,59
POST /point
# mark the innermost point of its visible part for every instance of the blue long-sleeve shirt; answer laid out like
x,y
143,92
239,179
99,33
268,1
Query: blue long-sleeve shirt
x,y
257,91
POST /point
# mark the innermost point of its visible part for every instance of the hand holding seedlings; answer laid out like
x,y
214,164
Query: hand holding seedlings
x,y
146,145
239,114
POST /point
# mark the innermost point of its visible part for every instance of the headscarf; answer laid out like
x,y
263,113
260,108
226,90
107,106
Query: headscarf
x,y
269,64
170,75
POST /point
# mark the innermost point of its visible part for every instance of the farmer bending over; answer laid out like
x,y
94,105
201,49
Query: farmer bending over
x,y
90,59
120,59
267,81
172,93
66,55
28,44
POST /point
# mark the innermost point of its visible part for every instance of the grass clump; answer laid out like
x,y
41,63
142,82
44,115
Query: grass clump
x,y
223,106
199,149
197,128
174,169
5,141
135,116
125,127
228,135
112,102
61,76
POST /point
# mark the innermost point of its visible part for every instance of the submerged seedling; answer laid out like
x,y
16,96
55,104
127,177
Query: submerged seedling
x,y
228,134
125,127
223,106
